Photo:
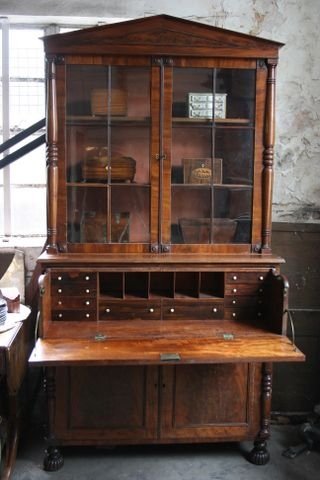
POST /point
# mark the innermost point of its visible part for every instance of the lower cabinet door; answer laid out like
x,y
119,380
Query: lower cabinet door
x,y
210,402
103,405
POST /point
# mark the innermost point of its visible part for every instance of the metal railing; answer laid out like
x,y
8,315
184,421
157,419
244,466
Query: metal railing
x,y
29,147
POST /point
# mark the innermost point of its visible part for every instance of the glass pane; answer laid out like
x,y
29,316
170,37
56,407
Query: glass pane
x,y
191,149
188,81
191,208
130,214
234,146
232,214
87,214
87,154
238,86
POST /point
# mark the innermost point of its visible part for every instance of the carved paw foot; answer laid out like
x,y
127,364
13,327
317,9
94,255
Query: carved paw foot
x,y
53,459
259,455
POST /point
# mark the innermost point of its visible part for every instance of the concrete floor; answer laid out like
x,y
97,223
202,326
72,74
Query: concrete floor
x,y
190,462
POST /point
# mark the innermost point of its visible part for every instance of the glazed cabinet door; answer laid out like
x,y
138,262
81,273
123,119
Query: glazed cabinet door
x,y
108,138
212,152
160,155
105,405
216,401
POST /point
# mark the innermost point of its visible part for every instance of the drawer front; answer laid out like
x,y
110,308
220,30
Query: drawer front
x,y
246,277
74,290
243,302
74,277
246,289
243,314
195,310
74,315
73,303
129,310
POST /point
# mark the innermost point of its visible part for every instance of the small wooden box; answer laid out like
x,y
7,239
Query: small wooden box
x,y
202,170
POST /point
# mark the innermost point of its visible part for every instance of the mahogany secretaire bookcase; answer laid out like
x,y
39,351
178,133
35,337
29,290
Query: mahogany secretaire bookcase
x,y
162,305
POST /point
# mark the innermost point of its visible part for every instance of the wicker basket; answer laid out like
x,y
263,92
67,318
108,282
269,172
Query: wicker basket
x,y
100,100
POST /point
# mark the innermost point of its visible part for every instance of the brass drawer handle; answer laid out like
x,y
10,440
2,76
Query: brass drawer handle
x,y
234,277
87,290
59,290
151,310
107,310
87,315
87,302
171,310
234,290
214,310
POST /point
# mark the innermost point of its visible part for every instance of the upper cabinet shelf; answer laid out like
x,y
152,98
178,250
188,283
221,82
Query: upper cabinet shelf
x,y
208,121
104,119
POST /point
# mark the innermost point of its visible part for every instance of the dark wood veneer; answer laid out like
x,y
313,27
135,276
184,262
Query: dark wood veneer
x,y
163,334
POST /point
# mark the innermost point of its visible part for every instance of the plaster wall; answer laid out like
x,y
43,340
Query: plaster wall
x,y
293,22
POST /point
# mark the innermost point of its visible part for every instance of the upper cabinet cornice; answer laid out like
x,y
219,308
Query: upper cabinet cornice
x,y
164,35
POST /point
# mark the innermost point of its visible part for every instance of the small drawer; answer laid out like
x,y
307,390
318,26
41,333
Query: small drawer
x,y
73,290
246,277
129,310
74,315
74,277
243,301
246,289
243,314
70,303
195,310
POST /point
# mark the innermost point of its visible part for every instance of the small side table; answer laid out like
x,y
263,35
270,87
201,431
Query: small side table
x,y
15,343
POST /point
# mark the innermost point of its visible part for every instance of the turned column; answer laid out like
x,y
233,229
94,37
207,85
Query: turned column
x,y
268,156
53,459
259,455
52,156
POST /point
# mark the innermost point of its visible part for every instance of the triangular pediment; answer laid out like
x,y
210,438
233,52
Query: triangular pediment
x,y
161,36
146,35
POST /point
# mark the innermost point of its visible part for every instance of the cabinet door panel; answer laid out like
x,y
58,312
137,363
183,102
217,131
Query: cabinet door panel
x,y
207,401
106,404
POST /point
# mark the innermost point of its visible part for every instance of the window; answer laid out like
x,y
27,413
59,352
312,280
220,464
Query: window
x,y
22,184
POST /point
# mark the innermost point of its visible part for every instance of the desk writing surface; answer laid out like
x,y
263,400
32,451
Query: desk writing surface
x,y
267,348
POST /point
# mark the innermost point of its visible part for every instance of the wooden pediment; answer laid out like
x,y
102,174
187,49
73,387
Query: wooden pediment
x,y
160,35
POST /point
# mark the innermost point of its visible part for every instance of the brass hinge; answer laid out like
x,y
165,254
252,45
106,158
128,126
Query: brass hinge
x,y
169,357
228,336
100,337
